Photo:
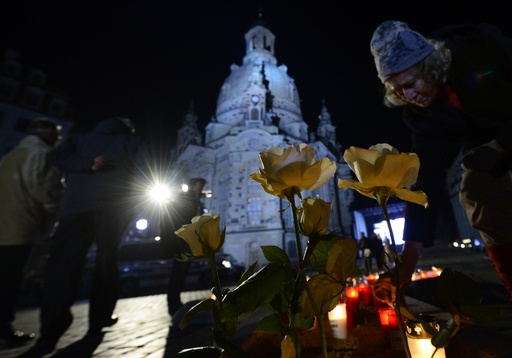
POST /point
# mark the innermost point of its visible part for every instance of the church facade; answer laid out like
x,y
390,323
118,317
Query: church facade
x,y
258,108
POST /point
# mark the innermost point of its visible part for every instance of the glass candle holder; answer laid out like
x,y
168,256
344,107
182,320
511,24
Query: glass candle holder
x,y
352,298
338,321
365,293
372,278
419,340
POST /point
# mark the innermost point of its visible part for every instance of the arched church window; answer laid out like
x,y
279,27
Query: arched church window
x,y
254,210
255,114
254,207
266,45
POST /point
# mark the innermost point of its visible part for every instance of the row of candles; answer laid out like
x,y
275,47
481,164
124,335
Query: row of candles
x,y
341,318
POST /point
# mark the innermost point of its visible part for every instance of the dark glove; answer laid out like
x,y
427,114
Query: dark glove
x,y
485,157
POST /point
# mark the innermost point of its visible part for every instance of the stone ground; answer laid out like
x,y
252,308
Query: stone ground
x,y
146,330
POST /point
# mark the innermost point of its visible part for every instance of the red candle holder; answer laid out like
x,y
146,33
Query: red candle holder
x,y
384,321
366,293
352,298
388,320
371,279
350,313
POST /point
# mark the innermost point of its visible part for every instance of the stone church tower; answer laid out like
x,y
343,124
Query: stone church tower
x,y
258,108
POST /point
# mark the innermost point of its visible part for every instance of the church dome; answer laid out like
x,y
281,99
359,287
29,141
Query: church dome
x,y
260,82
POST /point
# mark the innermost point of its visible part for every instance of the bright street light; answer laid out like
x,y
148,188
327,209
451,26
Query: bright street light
x,y
160,193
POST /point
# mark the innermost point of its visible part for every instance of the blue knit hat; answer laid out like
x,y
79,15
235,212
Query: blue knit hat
x,y
395,48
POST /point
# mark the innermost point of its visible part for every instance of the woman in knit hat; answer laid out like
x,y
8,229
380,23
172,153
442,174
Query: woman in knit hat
x,y
455,88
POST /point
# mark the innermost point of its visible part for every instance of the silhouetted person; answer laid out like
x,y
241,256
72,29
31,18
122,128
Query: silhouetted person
x,y
185,208
29,193
366,252
99,167
377,250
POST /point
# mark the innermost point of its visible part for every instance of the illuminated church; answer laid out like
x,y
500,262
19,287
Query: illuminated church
x,y
258,108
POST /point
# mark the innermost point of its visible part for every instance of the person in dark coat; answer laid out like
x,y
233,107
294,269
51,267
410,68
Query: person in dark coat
x,y
455,87
99,168
366,252
29,196
377,250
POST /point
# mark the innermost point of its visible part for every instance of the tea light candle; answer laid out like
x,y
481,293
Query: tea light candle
x,y
338,321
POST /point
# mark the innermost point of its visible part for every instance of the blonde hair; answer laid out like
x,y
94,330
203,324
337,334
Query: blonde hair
x,y
432,70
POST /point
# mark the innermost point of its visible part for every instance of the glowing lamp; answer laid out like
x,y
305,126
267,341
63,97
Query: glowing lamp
x,y
338,321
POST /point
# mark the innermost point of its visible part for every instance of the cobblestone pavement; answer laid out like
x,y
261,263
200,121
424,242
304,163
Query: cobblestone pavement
x,y
143,327
141,331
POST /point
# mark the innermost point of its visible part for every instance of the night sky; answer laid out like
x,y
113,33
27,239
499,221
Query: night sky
x,y
147,60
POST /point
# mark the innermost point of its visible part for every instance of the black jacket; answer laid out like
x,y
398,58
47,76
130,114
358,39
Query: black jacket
x,y
481,76
113,186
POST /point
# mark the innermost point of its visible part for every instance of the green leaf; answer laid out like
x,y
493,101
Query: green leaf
x,y
248,273
202,306
281,301
270,324
318,259
408,313
341,260
231,349
479,312
326,293
258,290
275,255
296,341
456,289
201,352
447,331
187,257
300,322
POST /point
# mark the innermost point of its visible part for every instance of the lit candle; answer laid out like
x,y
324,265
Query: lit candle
x,y
352,300
388,320
393,320
372,278
338,321
366,293
419,341
384,321
352,293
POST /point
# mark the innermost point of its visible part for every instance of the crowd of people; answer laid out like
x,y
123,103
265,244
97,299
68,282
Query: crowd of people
x,y
69,197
